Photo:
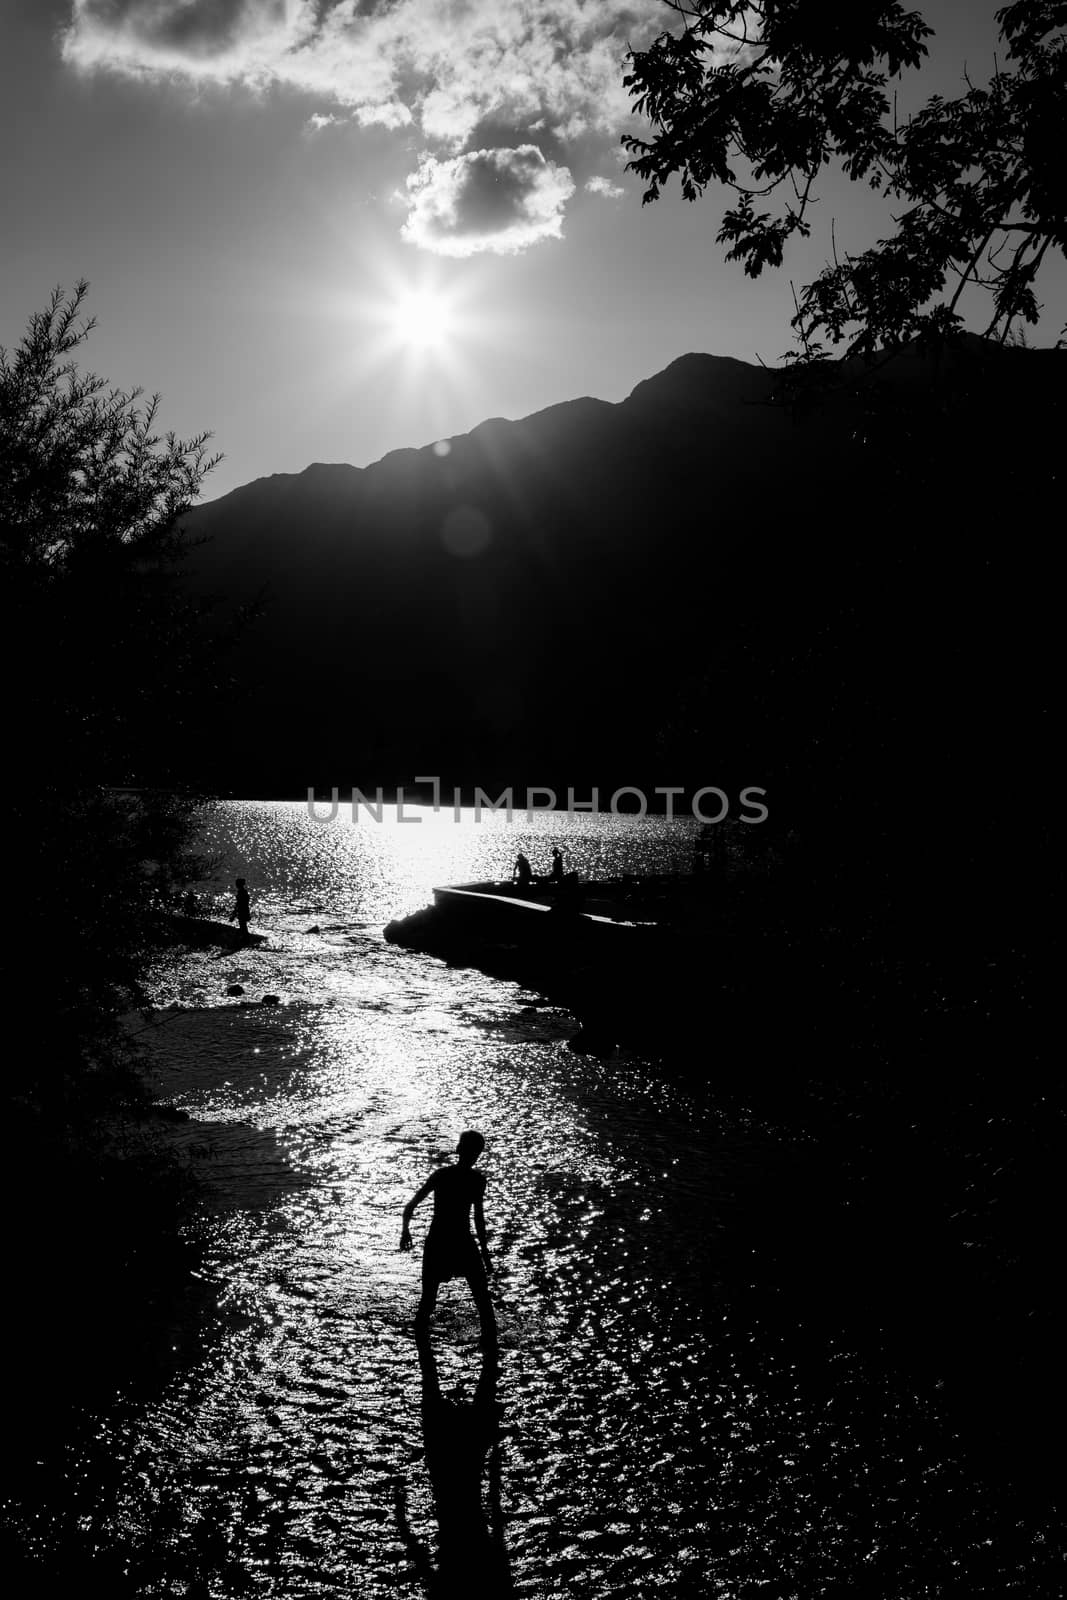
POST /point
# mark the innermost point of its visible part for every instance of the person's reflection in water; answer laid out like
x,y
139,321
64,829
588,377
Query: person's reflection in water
x,y
458,1436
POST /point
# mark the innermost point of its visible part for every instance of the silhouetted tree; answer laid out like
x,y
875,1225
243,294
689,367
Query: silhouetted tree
x,y
761,97
103,654
918,646
91,499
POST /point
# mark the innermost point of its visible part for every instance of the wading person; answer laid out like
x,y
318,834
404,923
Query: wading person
x,y
239,914
450,1250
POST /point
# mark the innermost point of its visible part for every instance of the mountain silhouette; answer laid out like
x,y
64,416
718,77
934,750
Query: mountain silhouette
x,y
512,595
735,575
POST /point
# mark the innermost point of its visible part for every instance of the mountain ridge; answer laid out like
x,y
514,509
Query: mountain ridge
x,y
406,451
689,586
694,366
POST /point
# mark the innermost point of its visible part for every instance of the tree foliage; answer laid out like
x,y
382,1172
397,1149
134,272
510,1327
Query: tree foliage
x,y
762,97
104,654
91,500
81,464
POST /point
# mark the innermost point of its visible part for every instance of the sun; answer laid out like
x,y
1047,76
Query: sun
x,y
421,319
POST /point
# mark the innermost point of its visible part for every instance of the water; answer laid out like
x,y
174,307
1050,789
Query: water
x,y
655,1426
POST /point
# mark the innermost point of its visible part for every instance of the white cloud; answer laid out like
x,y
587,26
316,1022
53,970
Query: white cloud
x,y
446,65
604,186
459,72
497,200
210,40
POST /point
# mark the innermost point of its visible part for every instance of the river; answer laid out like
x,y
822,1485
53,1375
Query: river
x,y
651,1428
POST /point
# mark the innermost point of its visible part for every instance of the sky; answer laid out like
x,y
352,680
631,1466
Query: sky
x,y
326,229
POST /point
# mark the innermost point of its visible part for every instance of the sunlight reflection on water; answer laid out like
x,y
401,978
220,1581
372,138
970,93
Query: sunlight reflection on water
x,y
660,1435
380,870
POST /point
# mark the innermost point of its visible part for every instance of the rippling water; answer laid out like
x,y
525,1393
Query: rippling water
x,y
651,1428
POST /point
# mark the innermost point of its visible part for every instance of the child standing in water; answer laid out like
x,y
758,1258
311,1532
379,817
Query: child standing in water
x,y
450,1250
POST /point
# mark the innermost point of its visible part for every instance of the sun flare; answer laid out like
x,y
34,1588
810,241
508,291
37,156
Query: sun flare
x,y
421,320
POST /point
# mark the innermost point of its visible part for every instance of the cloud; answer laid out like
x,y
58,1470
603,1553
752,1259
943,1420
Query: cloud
x,y
459,73
497,200
444,65
210,40
604,186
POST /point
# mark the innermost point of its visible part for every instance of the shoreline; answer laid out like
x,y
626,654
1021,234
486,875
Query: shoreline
x,y
917,1188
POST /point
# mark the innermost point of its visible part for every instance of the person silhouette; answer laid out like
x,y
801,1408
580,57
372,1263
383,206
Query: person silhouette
x,y
556,874
239,914
521,873
450,1250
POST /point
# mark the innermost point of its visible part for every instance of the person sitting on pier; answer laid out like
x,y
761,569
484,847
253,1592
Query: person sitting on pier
x,y
450,1250
521,874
